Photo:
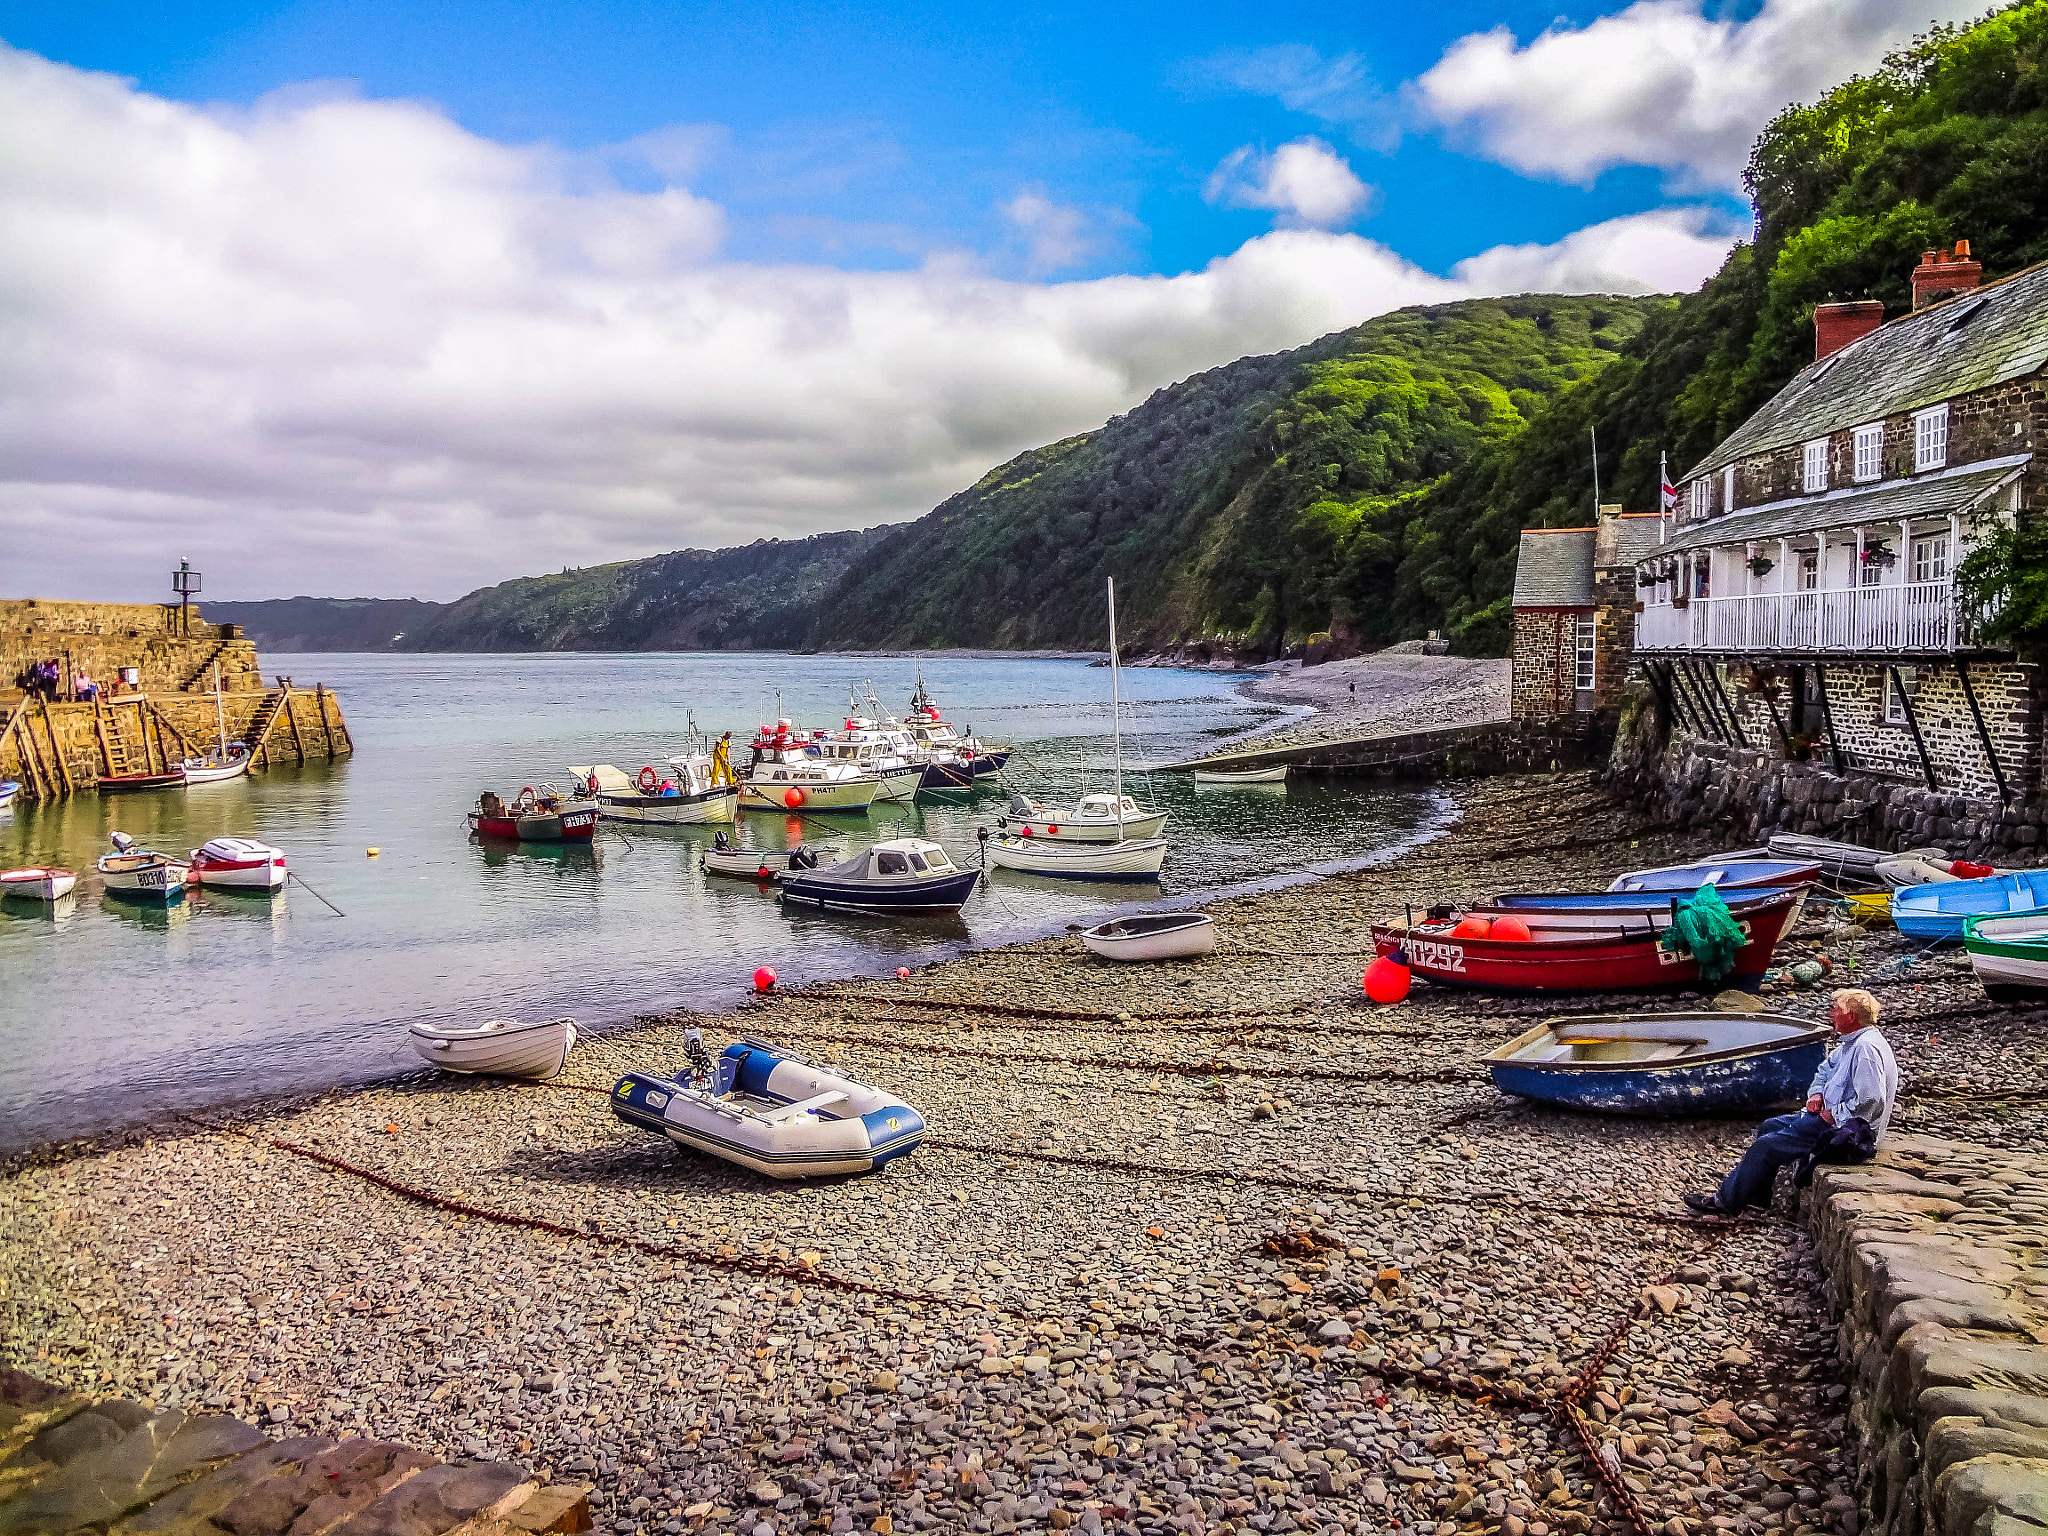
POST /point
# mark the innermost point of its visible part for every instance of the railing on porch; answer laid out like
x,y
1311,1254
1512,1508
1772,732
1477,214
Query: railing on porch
x,y
1916,616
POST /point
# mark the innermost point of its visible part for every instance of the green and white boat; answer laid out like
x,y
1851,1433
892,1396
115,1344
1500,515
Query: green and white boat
x,y
2009,952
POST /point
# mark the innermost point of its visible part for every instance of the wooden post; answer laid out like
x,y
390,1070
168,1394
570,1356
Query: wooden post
x,y
99,726
57,748
291,719
31,759
162,720
326,728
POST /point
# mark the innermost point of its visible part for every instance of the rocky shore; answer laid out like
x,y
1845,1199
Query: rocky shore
x,y
1388,693
1191,1248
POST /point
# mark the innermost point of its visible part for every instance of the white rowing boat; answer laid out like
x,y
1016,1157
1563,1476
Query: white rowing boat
x,y
1135,858
499,1048
239,864
1153,936
1248,776
140,874
37,883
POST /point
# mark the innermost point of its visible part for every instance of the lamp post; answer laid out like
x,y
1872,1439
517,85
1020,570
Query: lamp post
x,y
185,582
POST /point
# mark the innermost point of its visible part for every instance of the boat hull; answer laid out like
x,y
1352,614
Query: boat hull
x,y
1188,936
37,884
938,893
2009,954
239,864
953,775
499,1049
129,783
1136,828
571,824
1613,960
670,810
847,795
132,878
1723,874
1132,859
1936,913
1249,776
1603,909
1742,1078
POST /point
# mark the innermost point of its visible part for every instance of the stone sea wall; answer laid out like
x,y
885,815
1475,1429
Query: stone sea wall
x,y
172,650
1934,1255
1547,744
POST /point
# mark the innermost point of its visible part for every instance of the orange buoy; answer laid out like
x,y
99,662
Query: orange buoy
x,y
1511,928
1053,830
792,797
1027,831
1472,928
764,979
1386,981
903,973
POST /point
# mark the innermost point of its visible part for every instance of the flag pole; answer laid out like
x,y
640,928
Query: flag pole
x,y
1663,502
1594,433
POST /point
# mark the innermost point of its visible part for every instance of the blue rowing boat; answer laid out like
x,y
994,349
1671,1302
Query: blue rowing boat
x,y
1728,874
1663,1063
1935,912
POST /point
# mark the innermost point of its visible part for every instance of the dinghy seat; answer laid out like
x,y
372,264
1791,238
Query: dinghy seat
x,y
803,1107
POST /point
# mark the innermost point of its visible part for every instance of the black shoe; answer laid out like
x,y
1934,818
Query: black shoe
x,y
1706,1205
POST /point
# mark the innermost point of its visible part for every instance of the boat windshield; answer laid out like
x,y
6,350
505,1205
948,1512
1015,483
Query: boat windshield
x,y
916,862
889,862
940,862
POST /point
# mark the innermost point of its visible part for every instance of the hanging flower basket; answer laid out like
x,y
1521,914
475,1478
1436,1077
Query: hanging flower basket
x,y
1681,601
1648,578
1879,554
1761,565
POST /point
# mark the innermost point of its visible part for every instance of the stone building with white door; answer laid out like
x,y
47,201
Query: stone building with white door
x,y
1800,621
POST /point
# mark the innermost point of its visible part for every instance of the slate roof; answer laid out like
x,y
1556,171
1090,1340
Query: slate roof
x,y
1635,537
1934,495
1969,342
1554,568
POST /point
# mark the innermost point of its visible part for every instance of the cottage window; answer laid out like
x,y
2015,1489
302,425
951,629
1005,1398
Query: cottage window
x,y
1701,497
1582,676
1815,477
1728,489
1930,438
1809,571
1870,451
1894,701
1699,577
1930,558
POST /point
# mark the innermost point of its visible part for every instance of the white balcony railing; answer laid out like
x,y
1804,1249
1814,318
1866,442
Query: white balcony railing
x,y
1918,616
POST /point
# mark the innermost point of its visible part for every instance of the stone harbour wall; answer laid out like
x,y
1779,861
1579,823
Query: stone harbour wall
x,y
1541,744
170,651
1935,1257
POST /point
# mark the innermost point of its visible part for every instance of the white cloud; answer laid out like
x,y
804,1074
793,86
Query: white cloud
x,y
1307,183
340,345
1665,251
1340,90
1659,84
1055,234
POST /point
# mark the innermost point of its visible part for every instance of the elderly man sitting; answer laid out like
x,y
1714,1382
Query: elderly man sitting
x,y
1847,1109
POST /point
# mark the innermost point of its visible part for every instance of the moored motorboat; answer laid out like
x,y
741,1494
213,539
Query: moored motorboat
x,y
961,751
902,876
498,1048
216,764
1135,858
535,815
239,863
37,883
1245,776
140,874
1153,936
771,1111
762,863
788,772
691,791
1093,818
1662,1063
877,746
2009,954
1568,956
1729,874
1936,913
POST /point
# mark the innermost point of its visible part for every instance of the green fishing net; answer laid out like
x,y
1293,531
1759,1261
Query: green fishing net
x,y
1702,926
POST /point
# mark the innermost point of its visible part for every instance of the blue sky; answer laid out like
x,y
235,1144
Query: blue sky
x,y
383,299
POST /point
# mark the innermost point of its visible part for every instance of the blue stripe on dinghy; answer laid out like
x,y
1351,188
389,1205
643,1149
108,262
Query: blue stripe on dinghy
x,y
753,1068
893,1124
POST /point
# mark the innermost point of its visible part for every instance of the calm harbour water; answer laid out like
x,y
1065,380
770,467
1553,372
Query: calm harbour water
x,y
112,1012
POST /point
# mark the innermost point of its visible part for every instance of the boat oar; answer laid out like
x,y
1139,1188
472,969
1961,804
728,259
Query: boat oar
x,y
293,874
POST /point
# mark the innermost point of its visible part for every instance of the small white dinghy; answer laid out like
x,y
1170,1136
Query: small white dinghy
x,y
764,863
37,884
1135,858
140,874
239,864
1248,776
1153,936
770,1111
499,1048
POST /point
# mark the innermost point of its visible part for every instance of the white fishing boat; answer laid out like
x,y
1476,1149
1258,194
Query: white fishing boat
x,y
1153,936
223,760
1247,776
787,772
953,759
37,883
140,874
695,789
771,1111
877,745
498,1048
1093,818
239,864
763,863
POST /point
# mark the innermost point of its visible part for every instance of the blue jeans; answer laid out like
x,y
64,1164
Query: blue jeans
x,y
1780,1140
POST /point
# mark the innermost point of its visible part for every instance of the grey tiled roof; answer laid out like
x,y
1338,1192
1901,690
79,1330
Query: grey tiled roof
x,y
1554,568
1923,496
1635,537
1914,361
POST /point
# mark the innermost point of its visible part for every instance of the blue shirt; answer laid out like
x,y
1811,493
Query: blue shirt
x,y
1860,1078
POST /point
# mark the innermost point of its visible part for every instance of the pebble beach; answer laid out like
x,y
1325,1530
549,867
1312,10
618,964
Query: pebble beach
x,y
1216,1245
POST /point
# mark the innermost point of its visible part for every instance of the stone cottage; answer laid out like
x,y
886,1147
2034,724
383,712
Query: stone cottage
x,y
1574,608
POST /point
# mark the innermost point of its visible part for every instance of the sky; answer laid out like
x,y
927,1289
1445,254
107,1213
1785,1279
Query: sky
x,y
362,298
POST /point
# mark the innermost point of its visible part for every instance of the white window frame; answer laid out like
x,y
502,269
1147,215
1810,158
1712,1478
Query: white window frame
x,y
1814,471
1700,497
1809,571
1894,704
1728,489
1930,556
1870,452
1585,633
1930,438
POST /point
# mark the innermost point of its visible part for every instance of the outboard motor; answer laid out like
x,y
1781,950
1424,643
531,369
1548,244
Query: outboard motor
x,y
701,1068
721,844
122,842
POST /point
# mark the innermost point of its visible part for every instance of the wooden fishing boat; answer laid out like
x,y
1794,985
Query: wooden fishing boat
x,y
1728,874
240,864
1936,913
1568,956
37,883
1662,1063
1135,858
1248,776
904,876
762,863
690,792
140,874
1153,936
772,1111
123,783
536,815
787,772
2009,954
498,1048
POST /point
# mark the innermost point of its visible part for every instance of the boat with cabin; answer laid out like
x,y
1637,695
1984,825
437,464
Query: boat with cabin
x,y
498,1047
932,732
770,1110
787,771
1662,1064
904,876
1093,818
691,791
875,745
1936,912
537,814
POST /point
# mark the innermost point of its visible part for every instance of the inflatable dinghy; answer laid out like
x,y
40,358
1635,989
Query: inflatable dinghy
x,y
771,1111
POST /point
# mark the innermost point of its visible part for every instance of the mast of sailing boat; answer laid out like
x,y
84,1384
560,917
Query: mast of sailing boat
x,y
220,714
1116,724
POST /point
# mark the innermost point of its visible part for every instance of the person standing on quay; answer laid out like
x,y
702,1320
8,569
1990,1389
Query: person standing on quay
x,y
1847,1109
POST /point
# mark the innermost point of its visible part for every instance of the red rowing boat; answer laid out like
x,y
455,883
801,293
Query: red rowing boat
x,y
536,816
1570,957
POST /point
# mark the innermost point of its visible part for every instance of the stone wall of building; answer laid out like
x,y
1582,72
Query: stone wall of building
x,y
1544,655
1934,1261
101,638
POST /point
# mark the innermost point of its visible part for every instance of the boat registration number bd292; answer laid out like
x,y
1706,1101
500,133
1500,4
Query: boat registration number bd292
x,y
1436,955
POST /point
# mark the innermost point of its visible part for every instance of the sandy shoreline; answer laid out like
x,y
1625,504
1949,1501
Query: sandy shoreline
x,y
1089,1327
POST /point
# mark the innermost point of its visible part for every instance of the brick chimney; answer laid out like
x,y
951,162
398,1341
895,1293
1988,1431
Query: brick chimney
x,y
1942,273
1836,325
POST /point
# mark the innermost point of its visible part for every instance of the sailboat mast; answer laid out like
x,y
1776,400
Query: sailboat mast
x,y
219,713
1116,723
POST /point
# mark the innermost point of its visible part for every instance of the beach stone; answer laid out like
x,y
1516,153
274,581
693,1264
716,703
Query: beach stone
x,y
190,1509
102,1480
322,1492
439,1498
